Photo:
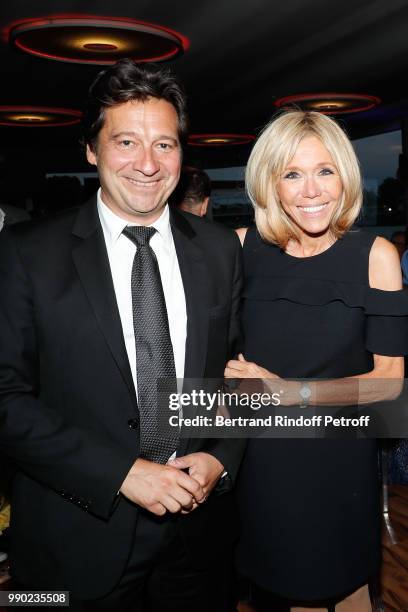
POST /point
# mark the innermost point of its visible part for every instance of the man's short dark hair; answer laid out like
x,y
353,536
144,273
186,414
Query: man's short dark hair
x,y
125,81
193,187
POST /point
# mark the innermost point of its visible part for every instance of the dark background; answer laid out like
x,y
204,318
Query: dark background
x,y
242,56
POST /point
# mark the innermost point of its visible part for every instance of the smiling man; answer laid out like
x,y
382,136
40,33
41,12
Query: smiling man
x,y
138,158
96,305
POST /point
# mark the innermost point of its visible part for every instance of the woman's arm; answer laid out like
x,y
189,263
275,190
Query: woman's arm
x,y
383,382
384,271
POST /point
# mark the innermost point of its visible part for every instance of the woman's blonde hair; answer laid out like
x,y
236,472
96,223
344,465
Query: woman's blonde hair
x,y
271,154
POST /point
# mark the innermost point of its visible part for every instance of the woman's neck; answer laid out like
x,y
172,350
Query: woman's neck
x,y
307,246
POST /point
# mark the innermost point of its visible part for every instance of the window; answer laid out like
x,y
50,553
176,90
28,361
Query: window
x,y
230,204
384,192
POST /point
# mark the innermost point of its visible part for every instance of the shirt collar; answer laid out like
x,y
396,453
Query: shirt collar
x,y
113,225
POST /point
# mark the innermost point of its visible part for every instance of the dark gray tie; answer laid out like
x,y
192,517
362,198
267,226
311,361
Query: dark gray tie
x,y
154,351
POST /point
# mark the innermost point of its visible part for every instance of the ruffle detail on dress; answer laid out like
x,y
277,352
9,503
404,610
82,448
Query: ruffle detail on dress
x,y
318,292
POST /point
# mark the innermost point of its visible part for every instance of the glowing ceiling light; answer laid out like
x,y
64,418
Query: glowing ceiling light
x,y
99,46
329,103
215,140
219,140
96,40
29,118
32,116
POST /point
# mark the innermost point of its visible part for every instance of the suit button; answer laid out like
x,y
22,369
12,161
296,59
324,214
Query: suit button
x,y
133,423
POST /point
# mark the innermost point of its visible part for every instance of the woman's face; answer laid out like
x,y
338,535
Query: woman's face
x,y
310,187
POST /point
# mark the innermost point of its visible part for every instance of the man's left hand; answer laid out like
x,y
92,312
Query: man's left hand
x,y
204,468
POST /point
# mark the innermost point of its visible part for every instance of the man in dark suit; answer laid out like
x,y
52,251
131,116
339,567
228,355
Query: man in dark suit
x,y
97,303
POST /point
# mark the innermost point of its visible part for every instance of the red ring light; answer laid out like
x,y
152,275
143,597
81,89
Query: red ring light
x,y
96,40
330,103
38,116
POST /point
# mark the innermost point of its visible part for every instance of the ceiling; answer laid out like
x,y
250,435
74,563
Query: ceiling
x,y
243,55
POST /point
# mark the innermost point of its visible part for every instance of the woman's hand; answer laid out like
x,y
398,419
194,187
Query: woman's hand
x,y
240,368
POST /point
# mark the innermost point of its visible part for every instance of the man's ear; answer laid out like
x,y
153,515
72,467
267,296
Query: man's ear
x,y
90,155
204,207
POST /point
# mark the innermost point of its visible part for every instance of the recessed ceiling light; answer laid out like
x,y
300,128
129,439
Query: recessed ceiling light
x,y
219,140
96,40
38,116
329,103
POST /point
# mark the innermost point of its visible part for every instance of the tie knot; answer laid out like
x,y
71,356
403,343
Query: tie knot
x,y
139,234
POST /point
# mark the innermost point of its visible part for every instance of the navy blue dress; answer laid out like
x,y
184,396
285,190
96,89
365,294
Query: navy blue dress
x,y
310,509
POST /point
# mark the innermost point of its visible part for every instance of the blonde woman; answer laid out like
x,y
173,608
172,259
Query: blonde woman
x,y
316,303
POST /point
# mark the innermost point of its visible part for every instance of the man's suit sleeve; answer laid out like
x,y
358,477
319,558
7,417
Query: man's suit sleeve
x,y
78,464
230,451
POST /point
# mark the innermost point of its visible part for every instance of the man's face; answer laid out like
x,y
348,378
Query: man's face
x,y
138,156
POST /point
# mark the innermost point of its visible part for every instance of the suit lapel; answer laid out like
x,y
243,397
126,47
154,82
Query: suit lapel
x,y
196,282
91,261
92,264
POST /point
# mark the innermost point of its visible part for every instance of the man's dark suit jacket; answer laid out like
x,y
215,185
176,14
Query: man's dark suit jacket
x,y
67,395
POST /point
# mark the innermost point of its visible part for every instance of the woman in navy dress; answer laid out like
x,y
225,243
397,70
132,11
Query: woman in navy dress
x,y
321,301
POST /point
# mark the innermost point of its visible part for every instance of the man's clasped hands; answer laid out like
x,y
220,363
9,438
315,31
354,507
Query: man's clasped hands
x,y
179,486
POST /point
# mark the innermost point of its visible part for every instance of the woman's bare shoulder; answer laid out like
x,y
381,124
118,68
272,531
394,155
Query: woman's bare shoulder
x,y
384,266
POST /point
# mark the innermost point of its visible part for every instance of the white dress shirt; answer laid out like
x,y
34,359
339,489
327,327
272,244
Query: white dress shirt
x,y
121,253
